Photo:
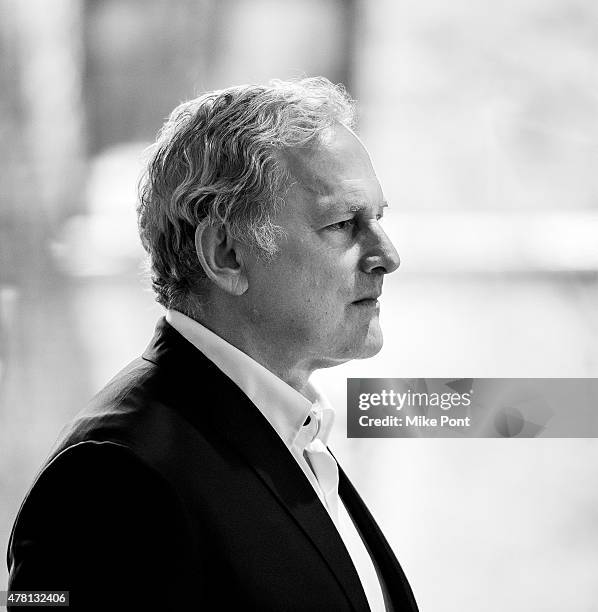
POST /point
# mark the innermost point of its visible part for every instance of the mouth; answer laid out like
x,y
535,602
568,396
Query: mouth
x,y
367,302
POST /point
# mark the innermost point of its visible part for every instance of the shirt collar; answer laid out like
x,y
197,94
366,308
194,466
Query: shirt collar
x,y
283,407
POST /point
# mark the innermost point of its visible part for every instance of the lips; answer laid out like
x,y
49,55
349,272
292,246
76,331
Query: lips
x,y
367,301
368,298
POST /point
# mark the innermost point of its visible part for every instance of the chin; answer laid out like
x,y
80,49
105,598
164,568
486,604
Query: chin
x,y
370,349
363,350
370,345
356,344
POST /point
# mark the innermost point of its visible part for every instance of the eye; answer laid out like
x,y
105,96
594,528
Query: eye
x,y
342,225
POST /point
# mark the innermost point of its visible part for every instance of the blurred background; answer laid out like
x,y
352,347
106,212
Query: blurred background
x,y
482,120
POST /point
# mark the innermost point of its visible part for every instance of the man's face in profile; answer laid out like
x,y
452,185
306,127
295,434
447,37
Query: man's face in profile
x,y
319,293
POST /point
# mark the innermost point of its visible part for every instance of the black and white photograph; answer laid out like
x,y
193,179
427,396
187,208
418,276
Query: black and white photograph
x,y
299,305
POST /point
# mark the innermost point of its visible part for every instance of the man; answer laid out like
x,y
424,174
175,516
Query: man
x,y
199,478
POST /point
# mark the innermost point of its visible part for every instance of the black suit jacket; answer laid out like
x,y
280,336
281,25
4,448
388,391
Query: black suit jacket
x,y
171,491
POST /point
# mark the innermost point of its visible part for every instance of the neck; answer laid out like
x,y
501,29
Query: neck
x,y
278,360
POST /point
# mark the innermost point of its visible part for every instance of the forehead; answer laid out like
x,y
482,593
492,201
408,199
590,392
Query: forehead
x,y
334,169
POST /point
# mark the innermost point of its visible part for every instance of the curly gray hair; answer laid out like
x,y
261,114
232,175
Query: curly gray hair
x,y
217,158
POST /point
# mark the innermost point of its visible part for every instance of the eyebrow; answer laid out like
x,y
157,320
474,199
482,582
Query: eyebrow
x,y
358,207
354,208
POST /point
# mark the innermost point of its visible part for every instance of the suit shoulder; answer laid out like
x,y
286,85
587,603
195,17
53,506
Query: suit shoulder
x,y
138,409
91,466
155,413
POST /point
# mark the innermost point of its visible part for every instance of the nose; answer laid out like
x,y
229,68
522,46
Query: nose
x,y
381,255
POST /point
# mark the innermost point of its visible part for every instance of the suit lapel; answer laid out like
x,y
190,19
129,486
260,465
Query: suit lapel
x,y
396,588
265,452
240,423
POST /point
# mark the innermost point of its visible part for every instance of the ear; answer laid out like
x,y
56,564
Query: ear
x,y
219,258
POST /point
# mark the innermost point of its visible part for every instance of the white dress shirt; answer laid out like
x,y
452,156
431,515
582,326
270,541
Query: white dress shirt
x,y
287,411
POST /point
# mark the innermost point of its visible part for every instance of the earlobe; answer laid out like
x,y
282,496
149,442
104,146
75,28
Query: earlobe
x,y
219,259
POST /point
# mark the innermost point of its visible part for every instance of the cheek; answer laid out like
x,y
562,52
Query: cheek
x,y
317,280
326,272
